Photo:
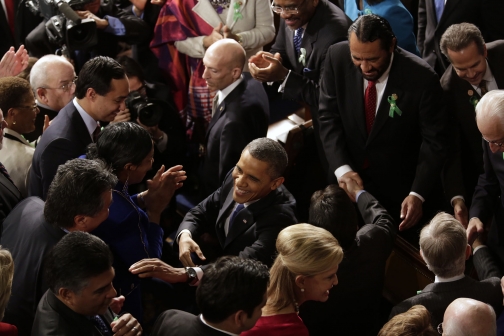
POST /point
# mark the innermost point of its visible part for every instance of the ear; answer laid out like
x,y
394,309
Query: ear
x,y
80,223
237,73
421,255
129,166
277,182
485,53
239,318
11,113
91,94
393,45
300,281
40,94
468,252
66,295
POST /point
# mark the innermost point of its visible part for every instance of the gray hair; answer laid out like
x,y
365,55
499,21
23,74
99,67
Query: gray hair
x,y
39,73
6,274
491,106
271,152
459,36
443,244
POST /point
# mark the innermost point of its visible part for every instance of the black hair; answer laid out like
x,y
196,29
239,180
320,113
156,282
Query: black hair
x,y
97,73
131,67
13,93
371,27
332,209
75,259
271,152
76,190
229,285
121,143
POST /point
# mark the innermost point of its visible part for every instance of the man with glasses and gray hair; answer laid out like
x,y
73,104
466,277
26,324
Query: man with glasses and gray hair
x,y
444,248
468,317
296,59
52,79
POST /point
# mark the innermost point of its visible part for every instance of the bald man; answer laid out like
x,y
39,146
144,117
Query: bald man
x,y
468,317
240,112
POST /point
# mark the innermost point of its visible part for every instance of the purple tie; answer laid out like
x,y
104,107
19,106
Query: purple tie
x,y
234,214
439,5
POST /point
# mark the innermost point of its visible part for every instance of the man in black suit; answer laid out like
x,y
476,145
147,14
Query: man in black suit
x,y
100,92
240,113
23,22
377,126
52,79
296,59
78,200
221,312
79,275
475,69
361,272
435,16
444,248
487,207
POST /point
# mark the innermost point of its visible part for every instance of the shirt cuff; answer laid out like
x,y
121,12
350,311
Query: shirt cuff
x,y
199,275
282,86
455,197
417,195
115,26
342,171
477,248
185,230
358,195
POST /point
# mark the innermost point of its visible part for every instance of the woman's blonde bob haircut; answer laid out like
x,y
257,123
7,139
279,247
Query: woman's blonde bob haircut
x,y
303,249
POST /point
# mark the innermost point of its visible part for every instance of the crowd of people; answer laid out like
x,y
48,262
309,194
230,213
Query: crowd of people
x,y
140,193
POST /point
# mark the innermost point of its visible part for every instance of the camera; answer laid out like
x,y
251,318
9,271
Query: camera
x,y
148,111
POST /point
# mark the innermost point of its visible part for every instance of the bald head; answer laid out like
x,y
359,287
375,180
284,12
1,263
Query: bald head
x,y
224,61
230,52
468,317
490,118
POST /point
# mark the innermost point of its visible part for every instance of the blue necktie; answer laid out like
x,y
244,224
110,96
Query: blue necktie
x,y
439,5
298,36
234,214
102,327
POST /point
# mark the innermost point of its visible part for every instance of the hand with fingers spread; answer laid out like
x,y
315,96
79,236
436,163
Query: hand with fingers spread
x,y
13,62
266,67
460,211
126,325
155,268
213,37
474,229
411,212
117,304
122,116
186,246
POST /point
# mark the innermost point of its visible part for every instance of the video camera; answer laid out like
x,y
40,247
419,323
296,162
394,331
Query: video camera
x,y
63,25
148,111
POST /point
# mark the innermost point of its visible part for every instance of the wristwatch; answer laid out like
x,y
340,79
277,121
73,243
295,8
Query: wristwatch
x,y
192,277
240,39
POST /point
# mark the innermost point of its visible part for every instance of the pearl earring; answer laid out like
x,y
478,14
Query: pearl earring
x,y
302,290
13,123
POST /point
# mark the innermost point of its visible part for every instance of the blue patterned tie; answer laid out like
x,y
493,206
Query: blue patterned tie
x,y
234,214
298,36
98,322
439,5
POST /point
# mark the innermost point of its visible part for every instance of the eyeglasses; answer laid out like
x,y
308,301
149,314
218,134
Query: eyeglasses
x,y
34,107
286,10
440,328
65,87
498,144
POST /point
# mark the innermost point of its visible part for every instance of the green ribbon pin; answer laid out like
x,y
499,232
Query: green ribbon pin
x,y
237,15
393,106
474,101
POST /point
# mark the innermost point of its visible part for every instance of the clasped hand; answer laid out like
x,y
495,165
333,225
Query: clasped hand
x,y
266,67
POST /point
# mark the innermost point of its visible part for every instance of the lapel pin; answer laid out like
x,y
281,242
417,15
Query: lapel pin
x,y
221,108
245,221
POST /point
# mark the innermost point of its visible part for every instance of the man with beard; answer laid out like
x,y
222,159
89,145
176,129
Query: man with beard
x,y
383,120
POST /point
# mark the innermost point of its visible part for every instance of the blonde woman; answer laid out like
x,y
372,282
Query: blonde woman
x,y
6,274
304,269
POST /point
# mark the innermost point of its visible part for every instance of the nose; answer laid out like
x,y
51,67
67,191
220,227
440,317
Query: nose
x,y
205,73
112,293
365,66
122,106
240,181
493,147
470,73
284,15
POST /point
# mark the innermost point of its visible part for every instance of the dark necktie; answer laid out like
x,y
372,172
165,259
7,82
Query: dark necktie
x,y
4,171
102,327
215,104
9,6
439,5
370,105
96,132
234,214
298,36
483,87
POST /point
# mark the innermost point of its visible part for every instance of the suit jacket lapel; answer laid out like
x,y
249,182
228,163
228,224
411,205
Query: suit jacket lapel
x,y
221,218
221,109
289,46
356,81
206,11
243,220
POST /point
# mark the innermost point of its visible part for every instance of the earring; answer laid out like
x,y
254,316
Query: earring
x,y
13,123
302,290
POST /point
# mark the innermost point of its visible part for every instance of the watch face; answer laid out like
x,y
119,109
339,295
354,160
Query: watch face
x,y
191,272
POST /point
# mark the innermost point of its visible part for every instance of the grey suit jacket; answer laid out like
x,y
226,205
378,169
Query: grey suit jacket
x,y
437,296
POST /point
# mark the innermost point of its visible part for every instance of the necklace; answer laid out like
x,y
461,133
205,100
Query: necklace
x,y
220,5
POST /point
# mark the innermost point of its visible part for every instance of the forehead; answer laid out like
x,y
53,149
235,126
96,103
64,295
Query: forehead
x,y
286,3
365,48
118,88
60,71
250,165
467,54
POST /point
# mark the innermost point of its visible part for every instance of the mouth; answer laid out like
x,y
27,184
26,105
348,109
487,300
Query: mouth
x,y
240,192
291,22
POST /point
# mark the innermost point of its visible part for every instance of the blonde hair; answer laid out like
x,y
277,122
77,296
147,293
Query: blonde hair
x,y
6,274
415,322
303,249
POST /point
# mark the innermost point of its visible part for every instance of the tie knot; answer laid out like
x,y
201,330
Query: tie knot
x,y
371,84
239,207
299,31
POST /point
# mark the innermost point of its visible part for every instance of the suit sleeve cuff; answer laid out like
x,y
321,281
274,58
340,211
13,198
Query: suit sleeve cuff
x,y
185,230
477,248
358,195
282,86
342,171
417,195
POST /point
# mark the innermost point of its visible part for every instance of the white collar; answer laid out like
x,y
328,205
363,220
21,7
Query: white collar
x,y
222,94
455,278
88,120
17,135
222,331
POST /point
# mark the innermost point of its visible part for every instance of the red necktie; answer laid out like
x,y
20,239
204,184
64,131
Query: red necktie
x,y
9,6
370,105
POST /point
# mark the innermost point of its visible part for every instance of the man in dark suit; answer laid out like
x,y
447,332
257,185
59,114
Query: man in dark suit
x,y
221,312
487,207
79,275
444,248
475,69
240,113
100,92
377,126
296,59
361,272
52,79
78,200
435,16
15,29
